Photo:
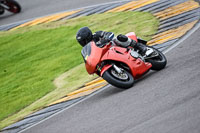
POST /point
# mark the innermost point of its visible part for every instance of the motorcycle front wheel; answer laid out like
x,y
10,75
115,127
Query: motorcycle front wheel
x,y
123,80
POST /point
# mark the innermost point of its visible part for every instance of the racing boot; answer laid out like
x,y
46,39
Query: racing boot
x,y
139,46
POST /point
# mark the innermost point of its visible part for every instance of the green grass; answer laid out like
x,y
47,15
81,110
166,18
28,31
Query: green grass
x,y
31,58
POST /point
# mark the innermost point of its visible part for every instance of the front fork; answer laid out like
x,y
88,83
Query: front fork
x,y
117,69
105,67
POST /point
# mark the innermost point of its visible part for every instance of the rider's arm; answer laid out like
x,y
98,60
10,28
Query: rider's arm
x,y
103,36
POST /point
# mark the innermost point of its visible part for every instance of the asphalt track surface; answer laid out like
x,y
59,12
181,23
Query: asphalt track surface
x,y
161,102
37,8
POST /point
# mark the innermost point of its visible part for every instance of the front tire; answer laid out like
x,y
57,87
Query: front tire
x,y
124,82
159,62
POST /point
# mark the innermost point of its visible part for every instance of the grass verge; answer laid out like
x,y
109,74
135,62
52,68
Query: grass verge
x,y
32,57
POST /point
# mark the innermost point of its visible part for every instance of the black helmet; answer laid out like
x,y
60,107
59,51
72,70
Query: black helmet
x,y
84,36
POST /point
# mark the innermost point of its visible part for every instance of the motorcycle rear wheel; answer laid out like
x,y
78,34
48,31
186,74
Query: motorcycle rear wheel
x,y
159,62
124,81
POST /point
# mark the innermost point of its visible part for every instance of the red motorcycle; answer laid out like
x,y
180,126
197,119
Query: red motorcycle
x,y
121,66
10,5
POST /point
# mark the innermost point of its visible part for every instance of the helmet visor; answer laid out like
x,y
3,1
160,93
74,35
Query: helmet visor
x,y
83,42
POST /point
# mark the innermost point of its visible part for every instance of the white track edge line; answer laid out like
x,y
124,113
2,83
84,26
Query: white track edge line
x,y
189,33
70,106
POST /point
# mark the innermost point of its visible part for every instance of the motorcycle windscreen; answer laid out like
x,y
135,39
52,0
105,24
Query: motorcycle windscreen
x,y
92,56
86,51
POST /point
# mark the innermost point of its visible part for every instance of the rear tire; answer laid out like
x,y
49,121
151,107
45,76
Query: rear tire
x,y
159,62
117,82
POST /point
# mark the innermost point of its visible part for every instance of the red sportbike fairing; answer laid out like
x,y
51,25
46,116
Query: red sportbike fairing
x,y
121,66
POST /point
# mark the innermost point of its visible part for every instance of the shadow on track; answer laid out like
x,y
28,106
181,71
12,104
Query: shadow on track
x,y
111,90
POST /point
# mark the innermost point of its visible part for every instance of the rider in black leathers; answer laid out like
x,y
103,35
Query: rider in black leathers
x,y
84,36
